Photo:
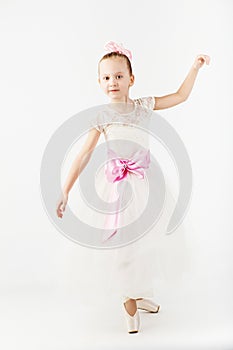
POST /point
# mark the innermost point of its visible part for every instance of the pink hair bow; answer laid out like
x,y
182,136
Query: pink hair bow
x,y
111,46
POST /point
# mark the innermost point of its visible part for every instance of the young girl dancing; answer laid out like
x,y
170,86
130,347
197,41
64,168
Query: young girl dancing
x,y
115,77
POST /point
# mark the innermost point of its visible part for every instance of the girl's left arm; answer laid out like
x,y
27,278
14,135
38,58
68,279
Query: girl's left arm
x,y
183,92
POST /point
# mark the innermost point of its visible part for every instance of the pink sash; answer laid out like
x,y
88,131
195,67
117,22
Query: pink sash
x,y
117,169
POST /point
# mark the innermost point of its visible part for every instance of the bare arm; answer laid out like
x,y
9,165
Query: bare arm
x,y
78,165
185,89
82,159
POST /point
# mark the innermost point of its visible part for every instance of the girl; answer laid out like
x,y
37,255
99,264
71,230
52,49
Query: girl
x,y
115,78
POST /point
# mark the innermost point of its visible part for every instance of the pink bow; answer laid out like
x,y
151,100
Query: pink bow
x,y
117,169
111,46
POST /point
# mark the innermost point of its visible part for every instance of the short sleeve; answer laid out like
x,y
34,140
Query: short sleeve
x,y
147,102
96,126
96,123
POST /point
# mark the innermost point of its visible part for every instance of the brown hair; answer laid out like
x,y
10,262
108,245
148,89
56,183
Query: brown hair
x,y
117,54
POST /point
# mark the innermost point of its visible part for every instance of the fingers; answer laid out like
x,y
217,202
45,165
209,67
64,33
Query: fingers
x,y
61,205
59,212
204,58
200,60
207,59
60,208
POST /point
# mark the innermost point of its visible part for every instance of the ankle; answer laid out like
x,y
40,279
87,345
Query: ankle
x,y
131,306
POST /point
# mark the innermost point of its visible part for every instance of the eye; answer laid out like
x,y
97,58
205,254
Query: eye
x,y
105,78
119,76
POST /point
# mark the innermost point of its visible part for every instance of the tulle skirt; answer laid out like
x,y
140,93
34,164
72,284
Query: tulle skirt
x,y
131,271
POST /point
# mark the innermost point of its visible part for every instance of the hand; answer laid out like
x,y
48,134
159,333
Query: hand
x,y
200,60
61,205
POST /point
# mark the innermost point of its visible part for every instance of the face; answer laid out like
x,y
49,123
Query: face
x,y
114,79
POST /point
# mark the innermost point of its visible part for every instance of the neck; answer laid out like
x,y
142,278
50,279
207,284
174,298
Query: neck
x,y
125,99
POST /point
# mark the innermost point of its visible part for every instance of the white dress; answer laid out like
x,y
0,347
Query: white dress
x,y
130,270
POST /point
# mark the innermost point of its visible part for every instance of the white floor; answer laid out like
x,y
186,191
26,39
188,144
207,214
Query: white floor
x,y
191,317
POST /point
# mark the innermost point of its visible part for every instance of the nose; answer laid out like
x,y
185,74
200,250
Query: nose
x,y
112,81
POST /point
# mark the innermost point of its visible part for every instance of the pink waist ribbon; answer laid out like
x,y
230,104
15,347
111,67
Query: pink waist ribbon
x,y
117,169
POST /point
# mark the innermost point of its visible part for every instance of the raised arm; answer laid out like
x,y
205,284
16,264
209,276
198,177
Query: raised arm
x,y
185,89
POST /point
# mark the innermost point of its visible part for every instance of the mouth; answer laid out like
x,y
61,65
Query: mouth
x,y
113,90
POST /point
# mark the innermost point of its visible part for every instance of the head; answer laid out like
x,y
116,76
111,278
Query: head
x,y
115,76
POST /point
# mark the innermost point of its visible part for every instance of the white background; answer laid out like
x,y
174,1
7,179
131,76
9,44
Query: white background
x,y
49,55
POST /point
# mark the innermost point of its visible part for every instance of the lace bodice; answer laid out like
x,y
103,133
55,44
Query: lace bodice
x,y
126,131
139,116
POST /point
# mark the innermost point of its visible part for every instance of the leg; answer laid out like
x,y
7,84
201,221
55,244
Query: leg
x,y
132,315
130,306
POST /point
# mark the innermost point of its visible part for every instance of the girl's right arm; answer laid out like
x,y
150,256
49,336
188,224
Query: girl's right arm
x,y
77,167
185,89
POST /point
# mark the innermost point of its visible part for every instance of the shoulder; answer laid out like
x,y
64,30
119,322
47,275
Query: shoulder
x,y
147,102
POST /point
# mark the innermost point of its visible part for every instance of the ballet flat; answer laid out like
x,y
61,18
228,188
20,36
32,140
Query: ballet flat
x,y
133,322
147,305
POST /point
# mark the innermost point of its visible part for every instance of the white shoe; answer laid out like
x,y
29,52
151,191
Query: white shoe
x,y
147,305
133,322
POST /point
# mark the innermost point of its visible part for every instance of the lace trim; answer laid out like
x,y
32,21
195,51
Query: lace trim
x,y
135,117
